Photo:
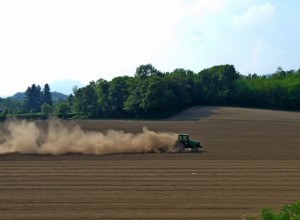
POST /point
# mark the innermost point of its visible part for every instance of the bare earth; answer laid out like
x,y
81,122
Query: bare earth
x,y
250,161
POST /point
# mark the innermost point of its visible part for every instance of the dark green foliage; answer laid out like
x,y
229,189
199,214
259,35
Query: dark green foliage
x,y
278,91
12,106
47,96
152,101
177,83
3,115
63,110
85,101
102,89
154,94
217,83
33,99
117,95
46,109
287,212
132,103
147,70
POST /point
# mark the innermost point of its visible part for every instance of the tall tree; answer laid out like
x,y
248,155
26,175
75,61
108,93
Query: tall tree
x,y
102,87
218,82
117,95
132,105
85,101
33,99
178,83
156,93
47,96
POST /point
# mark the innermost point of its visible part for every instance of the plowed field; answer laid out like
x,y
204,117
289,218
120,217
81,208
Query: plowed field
x,y
250,160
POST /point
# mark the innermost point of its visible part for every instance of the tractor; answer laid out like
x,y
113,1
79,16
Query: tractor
x,y
184,142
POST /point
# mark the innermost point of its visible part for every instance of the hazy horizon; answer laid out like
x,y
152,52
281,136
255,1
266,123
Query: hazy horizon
x,y
45,41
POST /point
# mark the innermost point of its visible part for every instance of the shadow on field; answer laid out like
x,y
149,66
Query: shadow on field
x,y
195,113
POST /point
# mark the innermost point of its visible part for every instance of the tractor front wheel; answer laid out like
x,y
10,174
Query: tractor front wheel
x,y
195,149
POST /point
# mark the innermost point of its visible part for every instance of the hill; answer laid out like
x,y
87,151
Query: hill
x,y
233,113
56,96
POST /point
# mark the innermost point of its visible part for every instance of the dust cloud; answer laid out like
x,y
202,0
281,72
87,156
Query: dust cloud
x,y
57,138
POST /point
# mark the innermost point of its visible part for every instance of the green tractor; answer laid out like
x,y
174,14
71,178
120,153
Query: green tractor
x,y
184,142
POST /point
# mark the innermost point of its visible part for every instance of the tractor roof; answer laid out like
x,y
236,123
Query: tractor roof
x,y
183,134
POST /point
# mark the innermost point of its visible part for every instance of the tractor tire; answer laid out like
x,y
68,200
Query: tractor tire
x,y
179,147
195,149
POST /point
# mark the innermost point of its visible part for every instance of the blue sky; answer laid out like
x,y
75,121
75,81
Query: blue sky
x,y
44,41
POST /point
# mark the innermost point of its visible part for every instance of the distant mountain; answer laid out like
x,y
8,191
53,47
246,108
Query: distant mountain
x,y
56,96
65,86
18,96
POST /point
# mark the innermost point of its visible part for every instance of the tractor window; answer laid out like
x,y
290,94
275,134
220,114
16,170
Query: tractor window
x,y
183,138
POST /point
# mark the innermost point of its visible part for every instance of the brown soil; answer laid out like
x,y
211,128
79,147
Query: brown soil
x,y
250,160
229,113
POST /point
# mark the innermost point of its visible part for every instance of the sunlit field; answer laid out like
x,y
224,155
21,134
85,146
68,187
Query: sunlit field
x,y
250,160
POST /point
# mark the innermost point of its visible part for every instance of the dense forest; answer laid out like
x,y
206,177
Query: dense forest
x,y
151,93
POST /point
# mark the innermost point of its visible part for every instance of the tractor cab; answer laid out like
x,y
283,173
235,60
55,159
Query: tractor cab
x,y
183,138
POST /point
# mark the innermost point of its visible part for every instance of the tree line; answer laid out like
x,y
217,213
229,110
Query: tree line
x,y
35,100
151,93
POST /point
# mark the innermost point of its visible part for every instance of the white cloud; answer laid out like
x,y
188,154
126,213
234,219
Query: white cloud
x,y
254,15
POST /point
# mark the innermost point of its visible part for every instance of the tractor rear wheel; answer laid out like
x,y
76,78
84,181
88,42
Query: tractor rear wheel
x,y
179,147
